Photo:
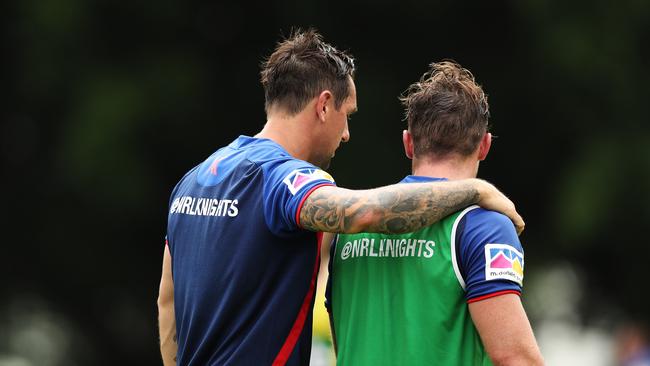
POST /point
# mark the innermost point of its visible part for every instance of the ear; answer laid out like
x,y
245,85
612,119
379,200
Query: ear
x,y
484,146
324,104
407,140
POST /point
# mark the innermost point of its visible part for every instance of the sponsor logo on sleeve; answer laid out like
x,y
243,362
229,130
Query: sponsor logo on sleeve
x,y
503,261
301,177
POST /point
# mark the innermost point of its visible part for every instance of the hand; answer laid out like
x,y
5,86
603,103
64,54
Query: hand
x,y
490,198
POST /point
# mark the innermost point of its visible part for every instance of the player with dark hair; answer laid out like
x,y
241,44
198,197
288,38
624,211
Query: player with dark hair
x,y
242,251
448,293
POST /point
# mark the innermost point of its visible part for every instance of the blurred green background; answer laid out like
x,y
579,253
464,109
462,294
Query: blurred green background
x,y
108,103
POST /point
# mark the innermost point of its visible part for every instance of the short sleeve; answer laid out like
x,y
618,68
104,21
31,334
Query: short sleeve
x,y
286,186
491,257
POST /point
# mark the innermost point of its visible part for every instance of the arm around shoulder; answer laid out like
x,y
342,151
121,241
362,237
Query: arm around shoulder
x,y
398,208
505,331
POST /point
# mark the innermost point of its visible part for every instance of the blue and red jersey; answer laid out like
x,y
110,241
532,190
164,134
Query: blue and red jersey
x,y
244,270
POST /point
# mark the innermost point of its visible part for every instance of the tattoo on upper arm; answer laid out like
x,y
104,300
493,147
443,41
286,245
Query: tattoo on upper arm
x,y
391,209
325,212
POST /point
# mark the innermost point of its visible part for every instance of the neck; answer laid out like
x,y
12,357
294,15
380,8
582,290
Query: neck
x,y
451,168
290,132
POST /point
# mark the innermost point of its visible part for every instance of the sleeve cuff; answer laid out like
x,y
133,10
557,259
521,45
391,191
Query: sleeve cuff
x,y
494,294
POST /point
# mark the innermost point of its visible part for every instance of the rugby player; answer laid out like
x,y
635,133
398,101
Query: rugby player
x,y
448,293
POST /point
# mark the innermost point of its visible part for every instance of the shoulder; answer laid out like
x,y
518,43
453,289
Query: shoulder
x,y
187,179
294,173
481,229
488,222
490,253
270,158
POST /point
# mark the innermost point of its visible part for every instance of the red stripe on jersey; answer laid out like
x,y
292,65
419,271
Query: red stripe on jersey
x,y
299,324
495,294
304,198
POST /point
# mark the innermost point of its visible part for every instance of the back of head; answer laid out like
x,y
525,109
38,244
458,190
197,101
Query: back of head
x,y
300,68
447,111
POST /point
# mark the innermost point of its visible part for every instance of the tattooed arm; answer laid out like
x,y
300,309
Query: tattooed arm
x,y
166,320
399,208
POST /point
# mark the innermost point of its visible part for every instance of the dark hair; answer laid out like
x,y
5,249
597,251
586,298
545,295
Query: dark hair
x,y
301,67
447,111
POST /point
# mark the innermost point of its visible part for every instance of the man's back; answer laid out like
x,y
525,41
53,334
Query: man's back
x,y
243,272
402,299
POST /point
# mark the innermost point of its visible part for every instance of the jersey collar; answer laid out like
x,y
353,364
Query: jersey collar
x,y
420,179
244,141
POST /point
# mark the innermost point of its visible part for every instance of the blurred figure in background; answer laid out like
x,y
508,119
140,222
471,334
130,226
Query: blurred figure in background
x,y
447,294
633,345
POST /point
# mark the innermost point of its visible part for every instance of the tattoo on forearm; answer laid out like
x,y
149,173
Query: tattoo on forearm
x,y
392,209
